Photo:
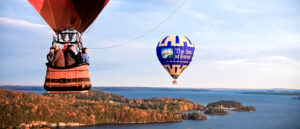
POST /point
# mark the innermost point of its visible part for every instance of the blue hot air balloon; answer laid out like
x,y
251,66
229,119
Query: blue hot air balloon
x,y
175,52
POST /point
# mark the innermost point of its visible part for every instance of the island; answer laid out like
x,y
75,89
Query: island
x,y
24,109
225,104
220,107
216,111
245,109
193,116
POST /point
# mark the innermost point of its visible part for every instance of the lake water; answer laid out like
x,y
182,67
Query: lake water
x,y
272,111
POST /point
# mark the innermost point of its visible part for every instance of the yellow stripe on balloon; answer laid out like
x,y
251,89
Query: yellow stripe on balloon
x,y
172,39
172,71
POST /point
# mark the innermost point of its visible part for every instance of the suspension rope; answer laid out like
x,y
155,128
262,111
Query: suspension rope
x,y
147,32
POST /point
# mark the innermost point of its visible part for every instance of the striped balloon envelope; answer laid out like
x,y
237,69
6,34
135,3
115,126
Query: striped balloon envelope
x,y
175,52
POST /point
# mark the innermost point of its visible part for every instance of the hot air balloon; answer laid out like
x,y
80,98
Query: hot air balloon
x,y
68,19
175,52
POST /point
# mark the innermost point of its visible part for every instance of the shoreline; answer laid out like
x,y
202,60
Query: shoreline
x,y
71,124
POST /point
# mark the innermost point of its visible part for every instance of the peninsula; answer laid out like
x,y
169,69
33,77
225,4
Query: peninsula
x,y
23,109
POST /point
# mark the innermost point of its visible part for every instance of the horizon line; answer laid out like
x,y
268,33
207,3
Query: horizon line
x,y
171,87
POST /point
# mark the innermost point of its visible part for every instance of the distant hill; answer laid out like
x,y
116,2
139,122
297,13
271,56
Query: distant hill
x,y
20,109
277,92
147,89
110,88
22,87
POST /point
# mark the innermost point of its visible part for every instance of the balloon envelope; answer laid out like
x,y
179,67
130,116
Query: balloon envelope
x,y
69,14
175,53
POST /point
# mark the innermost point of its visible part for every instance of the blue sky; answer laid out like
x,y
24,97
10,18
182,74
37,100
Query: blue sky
x,y
239,44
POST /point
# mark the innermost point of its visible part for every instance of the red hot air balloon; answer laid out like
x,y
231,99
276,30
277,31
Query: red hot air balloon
x,y
68,19
69,14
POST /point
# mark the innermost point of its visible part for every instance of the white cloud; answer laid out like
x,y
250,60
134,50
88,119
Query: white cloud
x,y
187,8
246,7
276,58
115,2
197,14
251,72
264,60
21,23
284,37
232,62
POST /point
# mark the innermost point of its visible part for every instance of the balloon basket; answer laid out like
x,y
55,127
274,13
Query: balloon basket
x,y
68,80
174,82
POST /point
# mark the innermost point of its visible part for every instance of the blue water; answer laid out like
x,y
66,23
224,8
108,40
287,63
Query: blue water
x,y
272,111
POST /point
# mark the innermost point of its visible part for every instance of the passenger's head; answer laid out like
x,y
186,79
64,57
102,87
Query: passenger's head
x,y
52,49
71,47
57,46
84,50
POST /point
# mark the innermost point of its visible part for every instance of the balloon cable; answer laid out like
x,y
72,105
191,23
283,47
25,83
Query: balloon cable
x,y
147,32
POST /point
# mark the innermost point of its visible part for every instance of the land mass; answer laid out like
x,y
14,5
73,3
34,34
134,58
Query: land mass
x,y
219,108
193,116
296,98
21,109
289,93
